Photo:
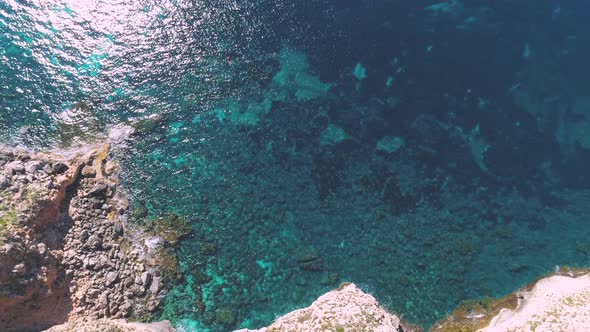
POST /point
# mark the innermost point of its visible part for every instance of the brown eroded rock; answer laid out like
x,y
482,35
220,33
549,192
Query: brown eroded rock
x,y
66,251
31,281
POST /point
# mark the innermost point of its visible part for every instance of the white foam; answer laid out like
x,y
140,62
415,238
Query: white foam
x,y
152,242
120,134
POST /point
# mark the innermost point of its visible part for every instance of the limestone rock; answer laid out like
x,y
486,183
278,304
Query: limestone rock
x,y
344,309
3,182
121,325
146,279
557,303
88,172
94,242
14,167
60,168
111,278
33,165
156,285
110,168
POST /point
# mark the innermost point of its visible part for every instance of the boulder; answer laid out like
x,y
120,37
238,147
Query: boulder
x,y
88,172
32,166
60,168
146,279
111,277
309,259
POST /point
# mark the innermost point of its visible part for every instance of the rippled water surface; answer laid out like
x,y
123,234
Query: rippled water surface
x,y
126,59
429,152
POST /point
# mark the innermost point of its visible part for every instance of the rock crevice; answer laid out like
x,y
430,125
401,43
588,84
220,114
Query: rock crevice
x,y
65,249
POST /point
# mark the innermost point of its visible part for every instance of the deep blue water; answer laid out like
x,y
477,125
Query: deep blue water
x,y
429,152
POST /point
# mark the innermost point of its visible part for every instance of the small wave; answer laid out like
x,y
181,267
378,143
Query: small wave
x,y
120,135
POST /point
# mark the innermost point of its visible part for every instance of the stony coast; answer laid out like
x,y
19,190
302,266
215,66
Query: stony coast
x,y
75,257
559,301
344,309
66,250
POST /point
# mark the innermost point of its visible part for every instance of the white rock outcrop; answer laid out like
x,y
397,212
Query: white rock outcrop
x,y
344,309
557,303
119,325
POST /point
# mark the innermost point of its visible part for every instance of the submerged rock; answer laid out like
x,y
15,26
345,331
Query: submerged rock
x,y
389,144
171,228
309,259
225,316
333,135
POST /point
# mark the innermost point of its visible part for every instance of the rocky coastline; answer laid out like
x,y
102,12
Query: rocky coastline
x,y
344,309
66,250
559,301
75,257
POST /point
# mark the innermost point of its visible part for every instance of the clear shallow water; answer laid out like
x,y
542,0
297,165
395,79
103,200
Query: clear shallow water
x,y
431,154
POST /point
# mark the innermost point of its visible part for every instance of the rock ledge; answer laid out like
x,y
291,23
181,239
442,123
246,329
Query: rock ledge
x,y
66,250
344,309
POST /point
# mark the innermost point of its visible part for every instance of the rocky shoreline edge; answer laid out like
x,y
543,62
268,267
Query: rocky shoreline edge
x,y
67,252
559,301
71,260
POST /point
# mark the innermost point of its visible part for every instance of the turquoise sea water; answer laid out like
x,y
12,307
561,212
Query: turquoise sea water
x,y
428,152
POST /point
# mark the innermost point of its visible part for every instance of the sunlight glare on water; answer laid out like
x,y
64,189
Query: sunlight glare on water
x,y
121,58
